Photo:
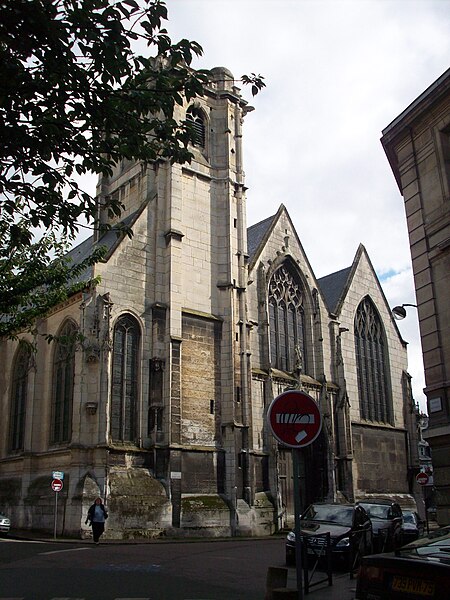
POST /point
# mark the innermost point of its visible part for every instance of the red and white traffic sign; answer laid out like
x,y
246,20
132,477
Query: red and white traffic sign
x,y
422,478
57,485
294,418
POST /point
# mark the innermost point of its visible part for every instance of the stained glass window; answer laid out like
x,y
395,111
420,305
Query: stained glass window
x,y
63,379
286,320
371,363
124,398
19,383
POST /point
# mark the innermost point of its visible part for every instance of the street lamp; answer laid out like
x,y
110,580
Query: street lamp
x,y
399,312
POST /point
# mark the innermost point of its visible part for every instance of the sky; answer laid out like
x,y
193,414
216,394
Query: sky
x,y
337,73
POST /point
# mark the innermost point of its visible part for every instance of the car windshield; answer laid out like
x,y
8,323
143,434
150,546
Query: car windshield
x,y
409,517
378,511
326,513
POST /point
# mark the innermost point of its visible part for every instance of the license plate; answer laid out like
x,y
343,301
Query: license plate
x,y
412,586
316,552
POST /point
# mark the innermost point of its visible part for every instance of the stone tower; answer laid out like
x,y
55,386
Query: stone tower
x,y
184,273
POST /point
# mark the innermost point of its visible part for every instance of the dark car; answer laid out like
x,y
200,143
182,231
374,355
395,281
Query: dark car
x,y
412,526
349,527
418,571
386,517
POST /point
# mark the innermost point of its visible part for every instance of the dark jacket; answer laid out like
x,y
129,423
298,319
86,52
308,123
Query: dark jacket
x,y
91,512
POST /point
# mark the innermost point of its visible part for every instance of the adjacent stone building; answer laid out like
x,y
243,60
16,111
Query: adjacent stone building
x,y
197,324
417,144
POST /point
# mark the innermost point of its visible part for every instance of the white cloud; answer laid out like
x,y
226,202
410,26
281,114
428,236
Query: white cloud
x,y
337,73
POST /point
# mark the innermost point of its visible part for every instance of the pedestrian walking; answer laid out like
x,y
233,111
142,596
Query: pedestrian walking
x,y
96,517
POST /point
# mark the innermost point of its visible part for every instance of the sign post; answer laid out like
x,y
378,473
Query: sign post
x,y
57,486
422,479
295,421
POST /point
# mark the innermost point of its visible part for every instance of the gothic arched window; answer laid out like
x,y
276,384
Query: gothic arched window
x,y
286,321
19,383
63,379
371,364
197,119
124,397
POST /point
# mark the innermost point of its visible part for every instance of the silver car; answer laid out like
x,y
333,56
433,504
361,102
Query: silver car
x,y
5,524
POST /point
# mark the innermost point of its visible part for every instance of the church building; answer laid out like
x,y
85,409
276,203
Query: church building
x,y
198,322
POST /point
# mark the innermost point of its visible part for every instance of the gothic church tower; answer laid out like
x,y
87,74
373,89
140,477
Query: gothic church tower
x,y
176,295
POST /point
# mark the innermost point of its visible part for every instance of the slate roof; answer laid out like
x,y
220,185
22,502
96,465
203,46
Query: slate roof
x,y
110,239
255,234
80,253
332,287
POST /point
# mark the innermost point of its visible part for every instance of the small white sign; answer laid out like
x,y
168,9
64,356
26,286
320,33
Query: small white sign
x,y
175,474
58,475
435,404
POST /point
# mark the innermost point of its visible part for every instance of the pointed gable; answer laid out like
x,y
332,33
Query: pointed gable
x,y
259,234
336,285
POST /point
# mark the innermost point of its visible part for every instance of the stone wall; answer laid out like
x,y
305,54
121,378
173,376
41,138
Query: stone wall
x,y
200,380
379,460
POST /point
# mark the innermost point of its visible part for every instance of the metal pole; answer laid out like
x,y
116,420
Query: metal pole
x,y
426,509
56,513
297,509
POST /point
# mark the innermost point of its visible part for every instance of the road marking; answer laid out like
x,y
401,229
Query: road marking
x,y
12,540
61,551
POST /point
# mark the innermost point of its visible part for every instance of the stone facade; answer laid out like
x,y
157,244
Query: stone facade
x,y
161,407
417,144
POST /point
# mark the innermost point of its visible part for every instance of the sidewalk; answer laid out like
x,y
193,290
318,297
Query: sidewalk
x,y
343,587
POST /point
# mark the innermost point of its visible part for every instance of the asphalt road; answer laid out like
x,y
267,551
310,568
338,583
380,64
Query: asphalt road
x,y
205,570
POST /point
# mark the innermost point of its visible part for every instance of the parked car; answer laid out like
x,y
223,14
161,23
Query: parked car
x,y
349,527
412,526
386,517
420,570
5,524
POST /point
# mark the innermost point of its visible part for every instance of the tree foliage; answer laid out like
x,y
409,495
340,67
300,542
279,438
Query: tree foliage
x,y
76,98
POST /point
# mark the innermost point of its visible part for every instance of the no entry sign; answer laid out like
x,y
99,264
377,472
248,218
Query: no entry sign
x,y
57,485
294,418
422,478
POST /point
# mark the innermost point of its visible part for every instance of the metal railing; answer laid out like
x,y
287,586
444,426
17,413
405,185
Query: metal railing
x,y
315,548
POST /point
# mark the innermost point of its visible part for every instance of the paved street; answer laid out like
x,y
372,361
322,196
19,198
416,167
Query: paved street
x,y
204,570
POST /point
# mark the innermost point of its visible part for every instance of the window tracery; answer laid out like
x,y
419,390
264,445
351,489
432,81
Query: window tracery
x,y
286,320
124,396
371,364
